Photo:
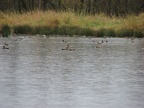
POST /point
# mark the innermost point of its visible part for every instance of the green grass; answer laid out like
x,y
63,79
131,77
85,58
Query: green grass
x,y
69,23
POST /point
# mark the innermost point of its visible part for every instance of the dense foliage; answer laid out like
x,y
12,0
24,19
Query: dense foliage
x,y
109,7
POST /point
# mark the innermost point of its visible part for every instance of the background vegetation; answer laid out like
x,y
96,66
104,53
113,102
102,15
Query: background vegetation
x,y
109,7
73,17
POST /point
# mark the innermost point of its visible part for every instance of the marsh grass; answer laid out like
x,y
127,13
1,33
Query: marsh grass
x,y
69,23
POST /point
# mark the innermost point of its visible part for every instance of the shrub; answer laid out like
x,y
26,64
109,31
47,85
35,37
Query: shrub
x,y
75,30
125,33
6,30
88,32
68,30
110,32
43,30
23,29
139,34
101,32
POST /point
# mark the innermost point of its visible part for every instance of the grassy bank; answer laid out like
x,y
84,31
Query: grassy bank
x,y
68,23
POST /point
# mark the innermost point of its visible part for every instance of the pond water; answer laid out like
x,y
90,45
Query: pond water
x,y
36,73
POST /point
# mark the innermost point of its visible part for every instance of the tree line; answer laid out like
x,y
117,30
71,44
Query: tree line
x,y
109,7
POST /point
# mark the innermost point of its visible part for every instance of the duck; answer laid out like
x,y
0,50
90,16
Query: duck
x,y
71,49
100,42
6,46
67,47
64,41
132,39
106,40
19,38
97,46
93,41
45,36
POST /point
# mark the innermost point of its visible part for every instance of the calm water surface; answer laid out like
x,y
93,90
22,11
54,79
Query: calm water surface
x,y
36,73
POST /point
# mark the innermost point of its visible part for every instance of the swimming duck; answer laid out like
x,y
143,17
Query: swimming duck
x,y
19,38
97,46
64,41
100,42
6,46
67,47
71,49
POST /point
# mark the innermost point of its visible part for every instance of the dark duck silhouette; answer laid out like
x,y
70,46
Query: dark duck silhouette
x,y
6,46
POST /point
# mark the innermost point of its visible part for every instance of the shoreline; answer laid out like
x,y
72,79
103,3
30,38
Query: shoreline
x,y
65,36
71,32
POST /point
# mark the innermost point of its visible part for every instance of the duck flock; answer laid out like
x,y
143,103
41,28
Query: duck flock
x,y
97,44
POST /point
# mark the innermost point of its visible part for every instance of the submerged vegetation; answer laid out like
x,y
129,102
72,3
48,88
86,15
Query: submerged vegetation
x,y
70,23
